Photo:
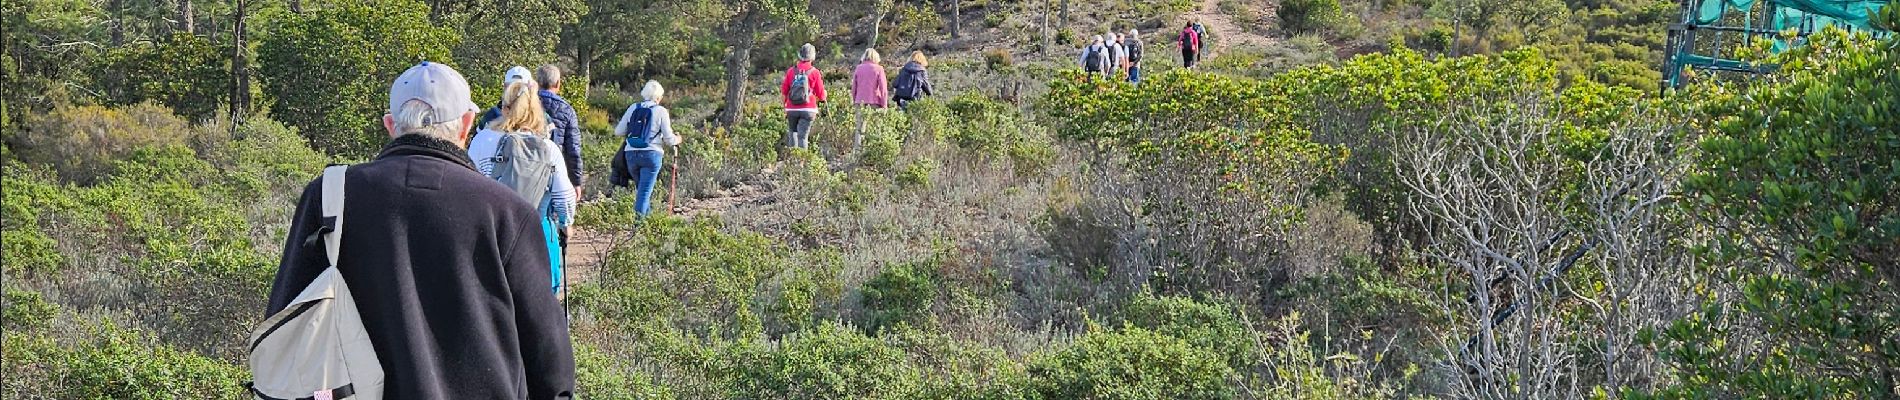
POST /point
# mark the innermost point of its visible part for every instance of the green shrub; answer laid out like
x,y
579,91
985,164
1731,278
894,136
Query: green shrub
x,y
1215,326
917,174
115,363
830,362
960,369
692,275
26,310
598,375
900,294
997,60
1300,16
1807,221
31,197
1131,363
82,142
883,140
609,98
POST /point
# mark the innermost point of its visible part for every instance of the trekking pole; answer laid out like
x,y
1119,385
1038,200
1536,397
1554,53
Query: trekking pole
x,y
672,186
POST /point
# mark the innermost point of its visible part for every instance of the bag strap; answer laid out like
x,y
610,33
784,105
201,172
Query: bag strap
x,y
333,211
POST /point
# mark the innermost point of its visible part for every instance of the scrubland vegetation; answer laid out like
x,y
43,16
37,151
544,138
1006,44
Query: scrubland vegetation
x,y
1398,199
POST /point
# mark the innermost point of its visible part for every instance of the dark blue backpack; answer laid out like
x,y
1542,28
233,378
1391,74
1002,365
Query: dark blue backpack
x,y
640,127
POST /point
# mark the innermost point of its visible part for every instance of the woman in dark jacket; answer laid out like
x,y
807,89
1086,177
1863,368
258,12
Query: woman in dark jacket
x,y
913,82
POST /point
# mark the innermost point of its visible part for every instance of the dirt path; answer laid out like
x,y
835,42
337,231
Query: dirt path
x,y
587,248
1227,32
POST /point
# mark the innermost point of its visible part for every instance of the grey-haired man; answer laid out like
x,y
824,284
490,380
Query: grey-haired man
x,y
447,266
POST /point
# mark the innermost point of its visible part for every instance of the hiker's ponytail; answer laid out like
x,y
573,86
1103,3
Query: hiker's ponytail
x,y
521,110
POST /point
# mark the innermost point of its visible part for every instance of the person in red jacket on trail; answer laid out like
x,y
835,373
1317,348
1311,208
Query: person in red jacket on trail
x,y
803,89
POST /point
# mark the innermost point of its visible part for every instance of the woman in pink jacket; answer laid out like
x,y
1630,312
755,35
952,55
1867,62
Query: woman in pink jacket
x,y
869,89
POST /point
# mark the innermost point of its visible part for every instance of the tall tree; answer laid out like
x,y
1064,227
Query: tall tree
x,y
956,19
742,34
328,69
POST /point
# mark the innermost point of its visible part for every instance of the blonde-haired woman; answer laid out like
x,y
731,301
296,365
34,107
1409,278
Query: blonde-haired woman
x,y
913,82
522,122
870,88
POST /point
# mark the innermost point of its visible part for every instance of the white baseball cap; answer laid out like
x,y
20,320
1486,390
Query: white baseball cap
x,y
436,84
515,74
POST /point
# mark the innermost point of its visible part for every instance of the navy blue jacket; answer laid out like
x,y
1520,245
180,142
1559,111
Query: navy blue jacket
x,y
567,132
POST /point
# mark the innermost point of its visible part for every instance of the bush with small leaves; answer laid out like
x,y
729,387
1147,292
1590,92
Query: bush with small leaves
x,y
26,310
830,362
114,363
900,294
1131,363
81,143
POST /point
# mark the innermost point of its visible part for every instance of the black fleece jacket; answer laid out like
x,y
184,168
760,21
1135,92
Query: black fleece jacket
x,y
450,273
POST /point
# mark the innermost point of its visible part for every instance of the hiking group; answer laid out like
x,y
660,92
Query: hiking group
x,y
1115,56
459,226
871,89
457,231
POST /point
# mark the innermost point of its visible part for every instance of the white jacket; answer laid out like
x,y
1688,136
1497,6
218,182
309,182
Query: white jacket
x,y
662,125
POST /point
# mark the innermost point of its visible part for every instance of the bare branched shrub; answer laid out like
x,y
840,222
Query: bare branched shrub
x,y
1555,262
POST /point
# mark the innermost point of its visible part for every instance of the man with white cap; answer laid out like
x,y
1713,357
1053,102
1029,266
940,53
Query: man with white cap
x,y
446,265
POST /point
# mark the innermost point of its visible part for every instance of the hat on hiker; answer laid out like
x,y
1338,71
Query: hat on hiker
x,y
515,74
436,84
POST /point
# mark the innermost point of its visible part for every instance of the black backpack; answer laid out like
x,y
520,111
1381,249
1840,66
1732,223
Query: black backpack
x,y
909,85
1092,62
1134,51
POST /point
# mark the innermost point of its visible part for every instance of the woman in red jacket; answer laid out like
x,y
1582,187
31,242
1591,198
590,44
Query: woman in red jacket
x,y
804,87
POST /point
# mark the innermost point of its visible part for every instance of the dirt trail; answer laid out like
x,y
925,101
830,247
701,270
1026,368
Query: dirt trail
x,y
587,248
1225,31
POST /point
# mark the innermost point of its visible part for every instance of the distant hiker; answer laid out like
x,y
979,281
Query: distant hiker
x,y
913,82
515,150
1200,37
1114,55
445,263
648,129
514,73
1133,43
1190,45
1094,58
803,89
870,88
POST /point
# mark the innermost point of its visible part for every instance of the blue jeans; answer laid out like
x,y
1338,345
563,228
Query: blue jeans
x,y
646,170
1134,74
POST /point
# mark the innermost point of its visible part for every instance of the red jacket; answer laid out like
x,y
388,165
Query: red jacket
x,y
817,87
1190,39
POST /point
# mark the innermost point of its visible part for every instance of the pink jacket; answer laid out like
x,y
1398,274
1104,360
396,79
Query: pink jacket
x,y
869,86
817,87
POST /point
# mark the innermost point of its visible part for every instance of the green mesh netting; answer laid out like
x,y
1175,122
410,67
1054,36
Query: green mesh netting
x,y
1801,15
1797,14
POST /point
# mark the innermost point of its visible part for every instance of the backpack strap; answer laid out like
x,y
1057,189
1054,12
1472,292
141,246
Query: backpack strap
x,y
332,230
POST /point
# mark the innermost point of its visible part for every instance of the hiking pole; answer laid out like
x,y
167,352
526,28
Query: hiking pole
x,y
672,186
